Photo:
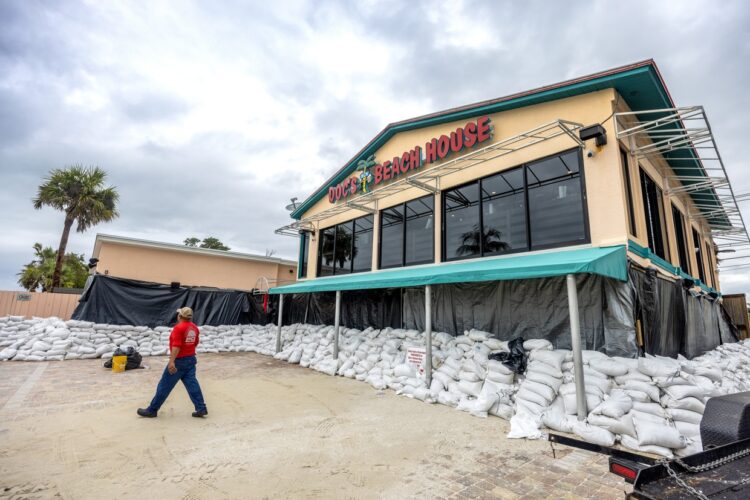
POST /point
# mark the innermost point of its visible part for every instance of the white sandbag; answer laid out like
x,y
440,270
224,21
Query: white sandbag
x,y
615,406
470,388
691,449
496,344
685,416
558,421
524,425
689,430
622,425
478,335
609,367
658,367
542,390
404,370
684,391
502,410
448,398
500,378
594,435
534,344
538,366
622,379
649,389
529,407
497,366
713,373
652,408
632,443
552,358
443,377
468,376
650,433
553,382
689,403
466,404
638,396
528,395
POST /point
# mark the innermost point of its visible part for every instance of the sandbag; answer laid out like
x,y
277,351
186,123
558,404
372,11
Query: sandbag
x,y
649,433
594,435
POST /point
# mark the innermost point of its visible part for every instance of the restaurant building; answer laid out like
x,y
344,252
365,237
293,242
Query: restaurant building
x,y
491,215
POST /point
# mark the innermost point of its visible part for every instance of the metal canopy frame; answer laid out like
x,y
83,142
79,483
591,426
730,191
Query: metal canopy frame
x,y
429,178
683,137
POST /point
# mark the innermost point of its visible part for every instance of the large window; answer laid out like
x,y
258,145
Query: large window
x,y
628,191
407,233
699,255
679,231
304,250
538,205
346,247
653,206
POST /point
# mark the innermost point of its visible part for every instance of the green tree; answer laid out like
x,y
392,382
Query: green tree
x,y
491,241
209,242
39,272
80,193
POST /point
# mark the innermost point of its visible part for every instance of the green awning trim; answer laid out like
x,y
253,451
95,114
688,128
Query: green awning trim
x,y
646,253
610,262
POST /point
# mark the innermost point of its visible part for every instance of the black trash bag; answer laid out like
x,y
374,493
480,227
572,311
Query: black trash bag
x,y
515,359
134,358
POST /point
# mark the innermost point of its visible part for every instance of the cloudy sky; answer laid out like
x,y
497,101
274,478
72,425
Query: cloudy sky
x,y
209,116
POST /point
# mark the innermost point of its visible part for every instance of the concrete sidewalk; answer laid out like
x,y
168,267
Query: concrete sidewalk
x,y
69,430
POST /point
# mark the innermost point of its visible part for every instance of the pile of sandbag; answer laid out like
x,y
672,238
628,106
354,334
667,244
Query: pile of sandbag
x,y
651,404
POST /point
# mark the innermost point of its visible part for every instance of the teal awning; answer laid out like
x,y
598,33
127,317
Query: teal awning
x,y
607,261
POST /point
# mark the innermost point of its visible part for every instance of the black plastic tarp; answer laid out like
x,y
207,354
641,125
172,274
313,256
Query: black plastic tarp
x,y
120,301
532,309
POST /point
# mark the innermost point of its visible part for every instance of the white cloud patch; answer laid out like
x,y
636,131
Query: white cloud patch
x,y
210,116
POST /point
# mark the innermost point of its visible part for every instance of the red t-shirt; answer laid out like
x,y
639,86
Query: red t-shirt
x,y
185,336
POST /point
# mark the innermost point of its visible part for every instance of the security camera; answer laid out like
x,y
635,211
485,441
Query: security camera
x,y
590,153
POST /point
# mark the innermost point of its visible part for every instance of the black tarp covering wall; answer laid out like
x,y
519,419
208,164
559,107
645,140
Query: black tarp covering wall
x,y
120,301
676,320
359,309
530,309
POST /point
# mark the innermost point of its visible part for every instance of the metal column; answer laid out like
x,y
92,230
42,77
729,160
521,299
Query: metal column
x,y
575,341
278,332
428,333
337,327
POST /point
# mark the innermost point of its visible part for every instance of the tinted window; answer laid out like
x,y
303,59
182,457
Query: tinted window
x,y
362,252
344,240
461,222
392,237
420,231
325,253
504,212
654,209
679,231
556,213
304,242
699,255
628,192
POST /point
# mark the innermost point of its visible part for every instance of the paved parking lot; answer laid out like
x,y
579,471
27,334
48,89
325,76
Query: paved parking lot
x,y
69,430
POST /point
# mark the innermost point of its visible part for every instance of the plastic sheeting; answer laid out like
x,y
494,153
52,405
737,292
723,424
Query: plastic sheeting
x,y
676,320
120,301
533,309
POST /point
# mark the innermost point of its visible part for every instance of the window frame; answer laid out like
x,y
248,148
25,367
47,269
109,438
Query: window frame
x,y
698,250
677,212
630,212
530,247
352,225
304,254
661,212
403,235
709,259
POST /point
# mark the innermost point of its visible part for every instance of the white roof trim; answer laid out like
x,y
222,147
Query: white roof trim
x,y
124,240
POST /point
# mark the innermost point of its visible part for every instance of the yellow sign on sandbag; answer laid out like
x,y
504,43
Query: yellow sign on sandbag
x,y
119,363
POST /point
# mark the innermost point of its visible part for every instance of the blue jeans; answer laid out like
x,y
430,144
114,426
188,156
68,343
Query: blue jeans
x,y
186,373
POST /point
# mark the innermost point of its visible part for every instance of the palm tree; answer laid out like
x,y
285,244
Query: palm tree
x,y
491,241
80,193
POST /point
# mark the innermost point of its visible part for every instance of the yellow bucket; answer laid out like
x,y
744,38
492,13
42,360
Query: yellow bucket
x,y
118,363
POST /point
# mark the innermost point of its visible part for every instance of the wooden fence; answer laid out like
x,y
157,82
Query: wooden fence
x,y
40,304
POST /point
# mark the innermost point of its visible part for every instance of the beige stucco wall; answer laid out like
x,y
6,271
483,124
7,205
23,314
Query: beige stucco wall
x,y
187,268
605,187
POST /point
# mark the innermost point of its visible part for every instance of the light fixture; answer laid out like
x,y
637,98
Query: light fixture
x,y
595,131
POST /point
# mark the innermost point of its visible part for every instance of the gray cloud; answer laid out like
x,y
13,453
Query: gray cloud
x,y
210,116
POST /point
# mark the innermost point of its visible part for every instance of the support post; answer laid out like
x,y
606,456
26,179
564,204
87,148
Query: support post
x,y
337,325
281,313
575,342
428,333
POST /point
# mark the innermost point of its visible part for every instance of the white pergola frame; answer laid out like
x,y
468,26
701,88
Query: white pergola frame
x,y
686,132
429,179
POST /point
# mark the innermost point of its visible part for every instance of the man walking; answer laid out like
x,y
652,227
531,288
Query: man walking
x,y
182,342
